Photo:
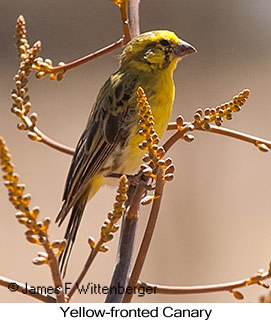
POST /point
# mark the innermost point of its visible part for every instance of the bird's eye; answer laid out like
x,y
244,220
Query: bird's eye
x,y
164,42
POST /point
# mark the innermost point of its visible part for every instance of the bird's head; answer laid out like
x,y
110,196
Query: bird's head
x,y
160,49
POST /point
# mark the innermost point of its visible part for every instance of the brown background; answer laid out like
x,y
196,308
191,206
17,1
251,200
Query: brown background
x,y
214,224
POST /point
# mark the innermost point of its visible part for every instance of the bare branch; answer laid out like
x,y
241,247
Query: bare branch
x,y
133,14
14,286
41,67
260,143
52,143
126,242
125,22
147,236
231,287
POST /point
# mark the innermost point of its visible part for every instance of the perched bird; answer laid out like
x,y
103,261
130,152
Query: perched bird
x,y
109,143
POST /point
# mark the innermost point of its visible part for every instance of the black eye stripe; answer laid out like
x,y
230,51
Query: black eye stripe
x,y
164,42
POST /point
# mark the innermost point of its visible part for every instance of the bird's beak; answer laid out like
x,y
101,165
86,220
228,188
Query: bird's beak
x,y
183,49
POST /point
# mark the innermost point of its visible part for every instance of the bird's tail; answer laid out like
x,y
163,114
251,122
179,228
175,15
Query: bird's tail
x,y
75,219
71,231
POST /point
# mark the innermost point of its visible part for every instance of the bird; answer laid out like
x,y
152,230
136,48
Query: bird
x,y
109,143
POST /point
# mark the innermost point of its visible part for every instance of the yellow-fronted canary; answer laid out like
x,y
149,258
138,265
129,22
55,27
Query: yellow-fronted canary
x,y
109,143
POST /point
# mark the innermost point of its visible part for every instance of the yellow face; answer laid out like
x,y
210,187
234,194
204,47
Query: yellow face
x,y
155,50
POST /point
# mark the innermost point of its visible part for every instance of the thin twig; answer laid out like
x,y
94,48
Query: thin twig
x,y
239,135
173,125
125,22
182,290
147,236
228,132
14,286
176,136
82,60
52,143
85,269
53,264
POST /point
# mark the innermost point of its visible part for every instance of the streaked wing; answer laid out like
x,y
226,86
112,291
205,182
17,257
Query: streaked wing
x,y
106,127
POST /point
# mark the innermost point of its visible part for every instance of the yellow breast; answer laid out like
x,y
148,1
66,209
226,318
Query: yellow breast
x,y
160,97
161,102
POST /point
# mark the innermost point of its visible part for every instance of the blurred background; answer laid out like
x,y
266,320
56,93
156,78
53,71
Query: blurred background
x,y
215,224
